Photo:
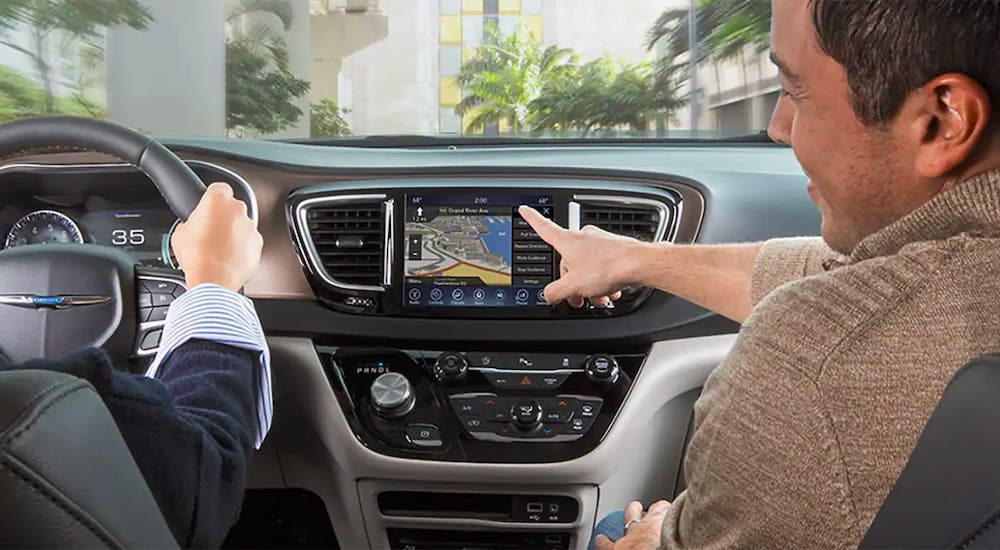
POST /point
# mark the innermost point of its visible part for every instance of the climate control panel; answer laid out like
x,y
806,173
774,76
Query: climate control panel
x,y
480,406
490,417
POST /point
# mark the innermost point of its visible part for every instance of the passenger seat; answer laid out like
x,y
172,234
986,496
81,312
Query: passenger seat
x,y
948,495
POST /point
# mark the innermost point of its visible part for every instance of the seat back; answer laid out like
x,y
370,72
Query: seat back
x,y
67,478
948,495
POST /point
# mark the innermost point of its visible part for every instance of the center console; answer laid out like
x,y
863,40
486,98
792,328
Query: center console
x,y
480,406
439,265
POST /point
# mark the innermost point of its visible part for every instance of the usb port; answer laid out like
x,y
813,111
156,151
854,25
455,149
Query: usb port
x,y
534,507
553,539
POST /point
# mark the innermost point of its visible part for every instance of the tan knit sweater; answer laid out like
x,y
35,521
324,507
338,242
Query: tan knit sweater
x,y
802,431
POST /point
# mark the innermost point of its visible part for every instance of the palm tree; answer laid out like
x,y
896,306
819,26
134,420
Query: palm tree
x,y
258,38
605,96
575,100
260,88
724,27
505,75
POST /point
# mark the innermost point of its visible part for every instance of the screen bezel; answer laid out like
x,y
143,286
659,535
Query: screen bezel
x,y
506,199
394,300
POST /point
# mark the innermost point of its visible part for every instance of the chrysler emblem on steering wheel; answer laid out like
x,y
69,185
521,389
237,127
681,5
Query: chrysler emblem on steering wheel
x,y
56,302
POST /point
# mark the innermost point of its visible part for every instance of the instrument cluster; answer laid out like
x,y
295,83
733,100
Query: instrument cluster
x,y
107,204
143,232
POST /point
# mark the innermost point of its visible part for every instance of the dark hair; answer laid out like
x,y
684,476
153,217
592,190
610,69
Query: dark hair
x,y
889,48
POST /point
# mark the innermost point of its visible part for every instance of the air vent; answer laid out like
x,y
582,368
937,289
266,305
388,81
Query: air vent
x,y
349,239
643,219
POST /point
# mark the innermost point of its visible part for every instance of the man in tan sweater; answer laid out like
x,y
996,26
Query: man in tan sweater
x,y
847,341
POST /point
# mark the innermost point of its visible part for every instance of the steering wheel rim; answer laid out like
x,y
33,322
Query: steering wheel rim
x,y
55,299
176,182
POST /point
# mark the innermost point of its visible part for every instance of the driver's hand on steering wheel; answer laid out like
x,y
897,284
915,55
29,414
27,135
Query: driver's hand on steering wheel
x,y
219,243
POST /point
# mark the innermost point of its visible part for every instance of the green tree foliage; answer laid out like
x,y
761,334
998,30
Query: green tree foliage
x,y
326,119
505,76
726,28
78,18
604,96
261,91
21,97
258,97
537,89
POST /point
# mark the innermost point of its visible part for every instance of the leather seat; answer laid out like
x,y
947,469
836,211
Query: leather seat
x,y
67,478
948,495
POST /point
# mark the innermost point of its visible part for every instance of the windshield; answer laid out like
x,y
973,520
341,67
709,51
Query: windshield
x,y
272,69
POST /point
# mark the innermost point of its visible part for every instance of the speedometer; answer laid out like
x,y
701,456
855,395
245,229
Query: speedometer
x,y
43,227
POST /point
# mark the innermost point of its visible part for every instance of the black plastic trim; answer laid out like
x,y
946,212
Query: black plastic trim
x,y
663,317
760,139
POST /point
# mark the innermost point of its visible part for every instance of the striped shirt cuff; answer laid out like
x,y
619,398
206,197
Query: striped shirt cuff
x,y
211,312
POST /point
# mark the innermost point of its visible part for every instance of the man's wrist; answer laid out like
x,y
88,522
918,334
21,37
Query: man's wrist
x,y
634,265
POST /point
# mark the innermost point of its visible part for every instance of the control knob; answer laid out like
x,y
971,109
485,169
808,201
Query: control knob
x,y
527,414
602,369
392,396
451,367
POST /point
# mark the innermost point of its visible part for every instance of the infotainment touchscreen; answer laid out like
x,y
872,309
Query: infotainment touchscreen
x,y
472,249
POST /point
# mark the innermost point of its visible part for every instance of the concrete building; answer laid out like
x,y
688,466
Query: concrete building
x,y
170,78
736,96
387,75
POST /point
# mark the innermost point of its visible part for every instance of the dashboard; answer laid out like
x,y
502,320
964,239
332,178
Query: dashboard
x,y
111,205
422,388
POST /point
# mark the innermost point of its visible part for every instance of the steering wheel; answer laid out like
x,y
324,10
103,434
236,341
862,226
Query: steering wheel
x,y
57,298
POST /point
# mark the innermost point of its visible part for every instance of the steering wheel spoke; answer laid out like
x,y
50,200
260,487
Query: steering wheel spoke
x,y
60,298
155,291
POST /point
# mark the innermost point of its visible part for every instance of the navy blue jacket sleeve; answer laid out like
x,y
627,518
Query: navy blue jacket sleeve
x,y
191,431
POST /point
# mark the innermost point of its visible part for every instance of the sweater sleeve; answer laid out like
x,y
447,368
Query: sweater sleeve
x,y
763,467
783,260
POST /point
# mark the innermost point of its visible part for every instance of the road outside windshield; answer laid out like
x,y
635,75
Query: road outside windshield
x,y
275,69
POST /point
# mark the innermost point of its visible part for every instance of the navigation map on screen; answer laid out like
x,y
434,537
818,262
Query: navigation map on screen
x,y
460,249
462,242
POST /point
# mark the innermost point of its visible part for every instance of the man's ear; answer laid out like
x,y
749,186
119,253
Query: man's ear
x,y
950,115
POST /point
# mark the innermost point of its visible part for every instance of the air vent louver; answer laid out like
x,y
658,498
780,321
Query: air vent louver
x,y
349,238
631,220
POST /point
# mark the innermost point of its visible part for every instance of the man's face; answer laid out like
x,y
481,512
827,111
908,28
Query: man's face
x,y
858,175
